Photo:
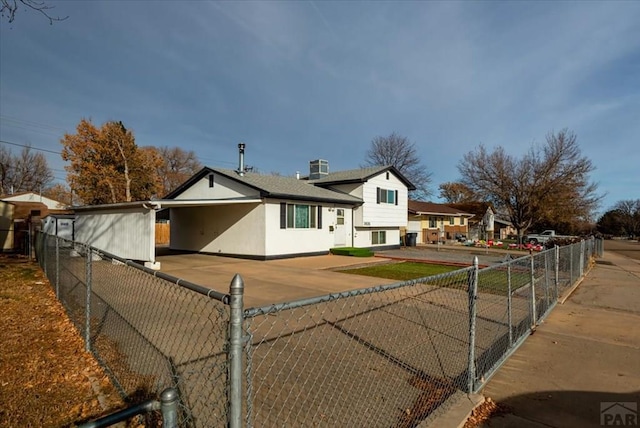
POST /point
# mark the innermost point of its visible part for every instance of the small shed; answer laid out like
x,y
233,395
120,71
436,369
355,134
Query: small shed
x,y
62,226
125,229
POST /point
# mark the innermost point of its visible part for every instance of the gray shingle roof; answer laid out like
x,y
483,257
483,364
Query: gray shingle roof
x,y
287,187
360,174
433,208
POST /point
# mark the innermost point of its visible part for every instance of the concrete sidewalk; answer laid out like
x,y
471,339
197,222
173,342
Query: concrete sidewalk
x,y
581,368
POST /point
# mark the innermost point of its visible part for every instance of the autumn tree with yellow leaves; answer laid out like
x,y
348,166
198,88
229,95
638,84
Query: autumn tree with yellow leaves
x,y
106,165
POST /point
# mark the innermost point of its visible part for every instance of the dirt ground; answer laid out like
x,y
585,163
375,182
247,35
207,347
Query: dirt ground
x,y
46,377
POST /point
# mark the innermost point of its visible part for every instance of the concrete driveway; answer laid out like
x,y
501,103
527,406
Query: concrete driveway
x,y
273,281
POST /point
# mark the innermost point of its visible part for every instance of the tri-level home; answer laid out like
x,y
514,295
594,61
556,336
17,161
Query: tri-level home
x,y
243,214
267,216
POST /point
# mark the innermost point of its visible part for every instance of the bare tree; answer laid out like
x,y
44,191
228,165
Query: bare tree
x,y
454,192
8,9
401,153
629,214
26,172
175,166
548,184
5,165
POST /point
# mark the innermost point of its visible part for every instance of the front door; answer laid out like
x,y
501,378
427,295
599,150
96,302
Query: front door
x,y
340,232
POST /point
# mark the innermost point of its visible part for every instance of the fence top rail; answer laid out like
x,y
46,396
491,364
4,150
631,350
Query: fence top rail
x,y
278,307
213,294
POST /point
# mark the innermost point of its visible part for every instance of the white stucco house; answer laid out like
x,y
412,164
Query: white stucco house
x,y
266,216
248,215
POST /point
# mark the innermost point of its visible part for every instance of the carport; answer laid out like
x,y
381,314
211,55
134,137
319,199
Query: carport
x,y
127,229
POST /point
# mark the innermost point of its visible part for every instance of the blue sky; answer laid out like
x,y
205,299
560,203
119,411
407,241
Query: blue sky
x,y
298,81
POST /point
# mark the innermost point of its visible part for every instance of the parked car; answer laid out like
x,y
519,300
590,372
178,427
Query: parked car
x,y
541,238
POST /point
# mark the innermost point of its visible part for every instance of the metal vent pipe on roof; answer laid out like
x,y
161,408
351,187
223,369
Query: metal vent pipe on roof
x,y
241,159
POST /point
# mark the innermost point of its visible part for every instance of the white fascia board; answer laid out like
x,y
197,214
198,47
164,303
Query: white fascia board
x,y
176,203
165,203
444,214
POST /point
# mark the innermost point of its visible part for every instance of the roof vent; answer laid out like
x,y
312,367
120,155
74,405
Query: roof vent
x,y
318,169
241,159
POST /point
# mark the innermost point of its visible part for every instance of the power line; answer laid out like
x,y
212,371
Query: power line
x,y
200,158
30,123
30,147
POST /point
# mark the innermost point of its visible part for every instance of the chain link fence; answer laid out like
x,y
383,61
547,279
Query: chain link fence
x,y
398,355
394,355
148,330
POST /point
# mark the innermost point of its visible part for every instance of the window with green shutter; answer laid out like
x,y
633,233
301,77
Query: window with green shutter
x,y
299,216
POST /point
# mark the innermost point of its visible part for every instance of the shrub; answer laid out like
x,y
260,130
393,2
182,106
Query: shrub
x,y
352,251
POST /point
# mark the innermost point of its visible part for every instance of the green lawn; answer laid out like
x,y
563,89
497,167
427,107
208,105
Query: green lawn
x,y
402,271
493,281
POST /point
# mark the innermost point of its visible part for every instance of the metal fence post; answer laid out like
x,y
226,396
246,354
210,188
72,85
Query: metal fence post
x,y
571,264
600,247
509,319
57,268
473,296
43,254
29,239
169,408
236,304
87,311
546,279
581,258
557,270
534,318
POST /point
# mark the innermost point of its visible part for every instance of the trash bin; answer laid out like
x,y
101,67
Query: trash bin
x,y
411,239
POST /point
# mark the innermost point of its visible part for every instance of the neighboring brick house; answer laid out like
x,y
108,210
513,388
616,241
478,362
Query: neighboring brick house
x,y
436,222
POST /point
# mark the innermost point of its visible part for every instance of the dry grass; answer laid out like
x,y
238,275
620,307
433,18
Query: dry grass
x,y
45,374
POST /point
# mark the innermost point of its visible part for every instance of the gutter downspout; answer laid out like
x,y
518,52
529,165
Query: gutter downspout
x,y
353,229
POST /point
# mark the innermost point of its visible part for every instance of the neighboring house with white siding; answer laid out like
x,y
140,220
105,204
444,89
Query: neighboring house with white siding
x,y
51,204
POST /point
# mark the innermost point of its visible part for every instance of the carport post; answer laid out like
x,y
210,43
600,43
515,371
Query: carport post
x,y
236,305
473,296
57,268
533,292
87,310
